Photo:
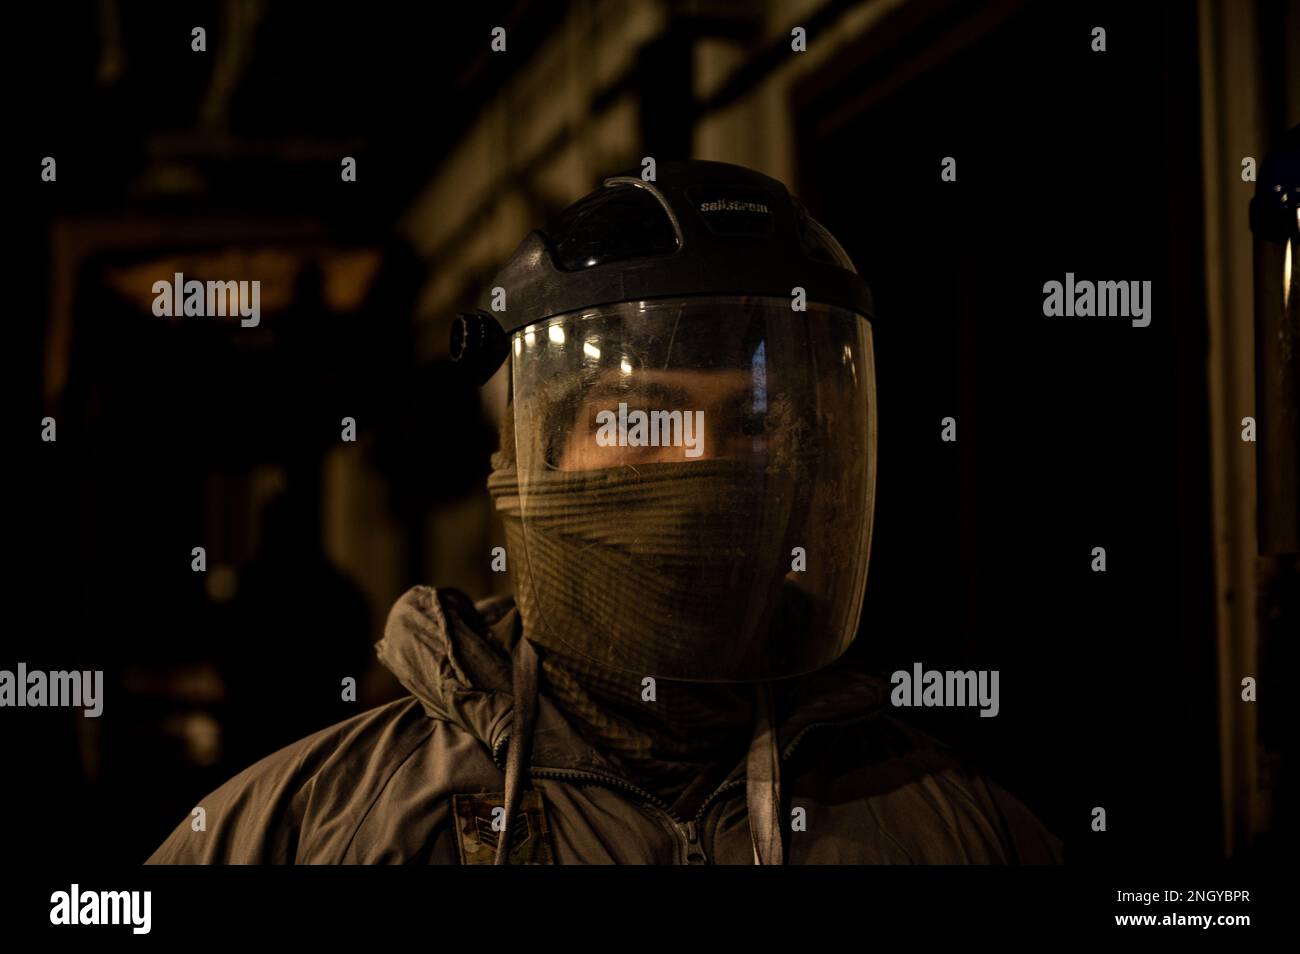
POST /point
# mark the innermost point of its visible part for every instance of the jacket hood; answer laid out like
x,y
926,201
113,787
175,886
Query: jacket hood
x,y
455,657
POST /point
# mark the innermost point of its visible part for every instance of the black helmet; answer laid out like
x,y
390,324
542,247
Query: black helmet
x,y
693,434
699,228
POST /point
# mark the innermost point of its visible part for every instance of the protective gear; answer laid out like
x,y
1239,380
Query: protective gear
x,y
689,494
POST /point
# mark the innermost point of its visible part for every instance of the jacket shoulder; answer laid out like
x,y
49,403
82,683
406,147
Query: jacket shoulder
x,y
917,800
306,802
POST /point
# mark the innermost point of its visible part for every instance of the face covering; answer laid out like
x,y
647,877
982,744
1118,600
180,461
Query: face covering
x,y
672,570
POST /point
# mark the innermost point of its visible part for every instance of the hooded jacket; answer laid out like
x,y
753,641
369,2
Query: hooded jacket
x,y
830,777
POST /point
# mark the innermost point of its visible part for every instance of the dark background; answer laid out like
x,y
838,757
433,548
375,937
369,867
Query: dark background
x,y
1072,433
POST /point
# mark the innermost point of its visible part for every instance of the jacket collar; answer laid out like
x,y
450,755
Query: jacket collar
x,y
455,657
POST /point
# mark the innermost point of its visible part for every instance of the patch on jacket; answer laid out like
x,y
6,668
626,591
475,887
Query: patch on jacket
x,y
479,822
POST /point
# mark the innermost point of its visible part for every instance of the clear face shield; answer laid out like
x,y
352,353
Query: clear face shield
x,y
693,485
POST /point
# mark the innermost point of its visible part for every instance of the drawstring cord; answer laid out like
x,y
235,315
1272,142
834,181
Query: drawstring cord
x,y
763,782
521,736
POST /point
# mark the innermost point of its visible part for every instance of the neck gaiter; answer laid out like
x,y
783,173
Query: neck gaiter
x,y
671,570
679,747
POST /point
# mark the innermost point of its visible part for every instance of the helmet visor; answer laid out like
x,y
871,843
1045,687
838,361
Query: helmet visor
x,y
693,485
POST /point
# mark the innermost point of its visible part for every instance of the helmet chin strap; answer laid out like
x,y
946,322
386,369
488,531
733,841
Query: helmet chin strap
x,y
763,782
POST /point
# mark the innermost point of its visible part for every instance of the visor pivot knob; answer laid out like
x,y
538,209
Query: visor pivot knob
x,y
478,344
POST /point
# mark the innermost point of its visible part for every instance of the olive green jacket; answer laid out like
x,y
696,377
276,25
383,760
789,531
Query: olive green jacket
x,y
416,781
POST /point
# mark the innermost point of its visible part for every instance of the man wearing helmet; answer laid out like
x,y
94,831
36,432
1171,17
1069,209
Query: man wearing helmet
x,y
686,477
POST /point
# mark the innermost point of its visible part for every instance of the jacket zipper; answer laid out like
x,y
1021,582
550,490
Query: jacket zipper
x,y
687,830
694,849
